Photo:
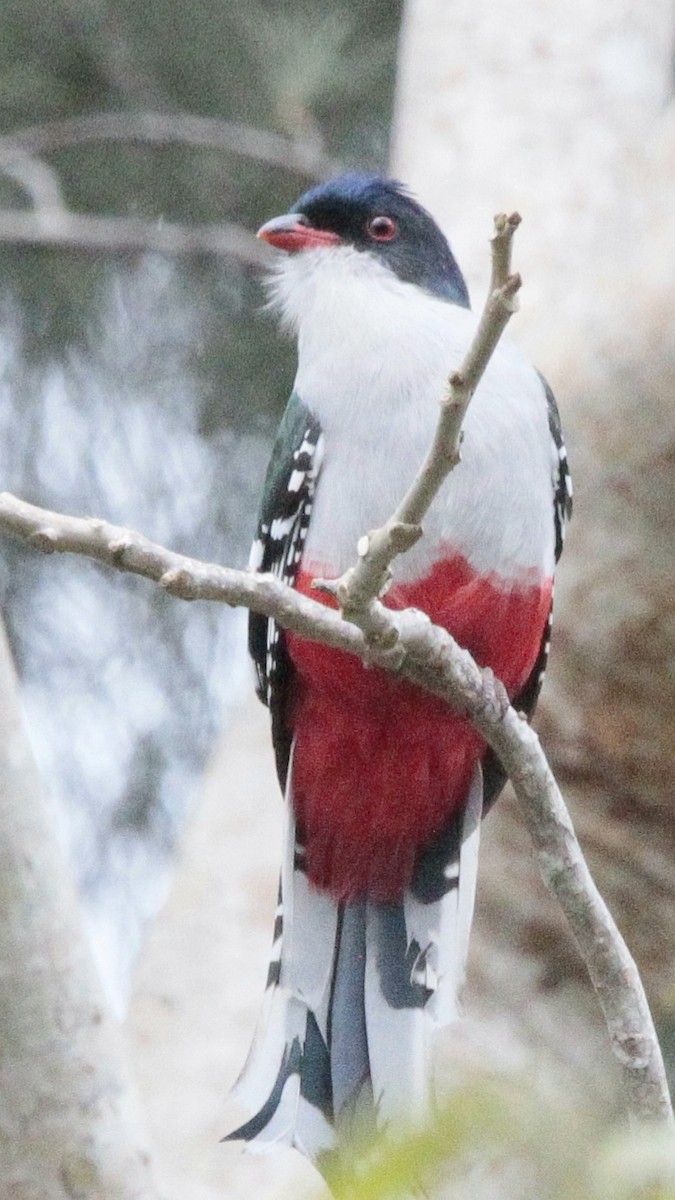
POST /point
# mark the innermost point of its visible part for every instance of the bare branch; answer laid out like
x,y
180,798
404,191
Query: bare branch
x,y
207,133
454,675
52,224
181,576
430,658
357,589
427,656
37,179
56,226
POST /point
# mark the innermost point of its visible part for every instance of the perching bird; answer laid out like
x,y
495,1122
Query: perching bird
x,y
384,785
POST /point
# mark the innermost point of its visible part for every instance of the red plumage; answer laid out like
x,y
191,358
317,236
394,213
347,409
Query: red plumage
x,y
379,765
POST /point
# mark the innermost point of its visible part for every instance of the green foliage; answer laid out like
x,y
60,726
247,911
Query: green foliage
x,y
493,1141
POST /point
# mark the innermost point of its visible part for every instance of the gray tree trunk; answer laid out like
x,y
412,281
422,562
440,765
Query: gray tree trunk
x,y
67,1121
563,112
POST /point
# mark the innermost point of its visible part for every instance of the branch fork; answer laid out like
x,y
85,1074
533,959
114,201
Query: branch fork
x,y
369,579
427,656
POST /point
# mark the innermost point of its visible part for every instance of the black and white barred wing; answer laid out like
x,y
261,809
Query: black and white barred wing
x,y
562,479
561,483
282,529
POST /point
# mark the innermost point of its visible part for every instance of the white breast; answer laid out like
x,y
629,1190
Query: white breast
x,y
373,357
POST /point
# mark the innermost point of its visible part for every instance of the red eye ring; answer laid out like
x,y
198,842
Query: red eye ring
x,y
382,229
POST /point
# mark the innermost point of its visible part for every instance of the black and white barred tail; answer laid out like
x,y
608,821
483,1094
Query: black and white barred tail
x,y
353,996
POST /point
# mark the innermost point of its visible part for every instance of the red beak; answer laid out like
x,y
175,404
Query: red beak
x,y
292,232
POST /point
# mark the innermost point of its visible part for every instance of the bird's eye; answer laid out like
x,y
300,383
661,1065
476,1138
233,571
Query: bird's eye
x,y
382,229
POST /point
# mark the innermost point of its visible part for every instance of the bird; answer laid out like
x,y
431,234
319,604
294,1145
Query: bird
x,y
385,787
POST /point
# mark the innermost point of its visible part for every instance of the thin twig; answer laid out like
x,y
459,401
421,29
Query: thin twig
x,y
361,584
52,224
206,133
427,656
82,231
430,658
36,179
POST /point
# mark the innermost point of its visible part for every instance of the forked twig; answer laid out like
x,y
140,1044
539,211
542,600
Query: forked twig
x,y
428,656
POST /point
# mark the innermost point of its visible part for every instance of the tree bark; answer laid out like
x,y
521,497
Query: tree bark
x,y
562,112
67,1119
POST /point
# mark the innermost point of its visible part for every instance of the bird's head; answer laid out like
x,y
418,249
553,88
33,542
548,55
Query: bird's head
x,y
378,217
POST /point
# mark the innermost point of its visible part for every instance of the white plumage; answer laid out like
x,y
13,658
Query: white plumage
x,y
357,987
394,1045
374,354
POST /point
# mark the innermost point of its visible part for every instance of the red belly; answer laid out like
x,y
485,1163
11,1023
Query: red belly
x,y
379,765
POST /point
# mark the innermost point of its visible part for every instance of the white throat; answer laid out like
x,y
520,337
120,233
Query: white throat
x,y
361,330
374,354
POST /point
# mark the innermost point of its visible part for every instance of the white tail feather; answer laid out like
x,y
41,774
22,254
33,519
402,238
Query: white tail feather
x,y
354,994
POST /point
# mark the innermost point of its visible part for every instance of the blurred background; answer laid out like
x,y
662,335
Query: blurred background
x,y
140,380
145,387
